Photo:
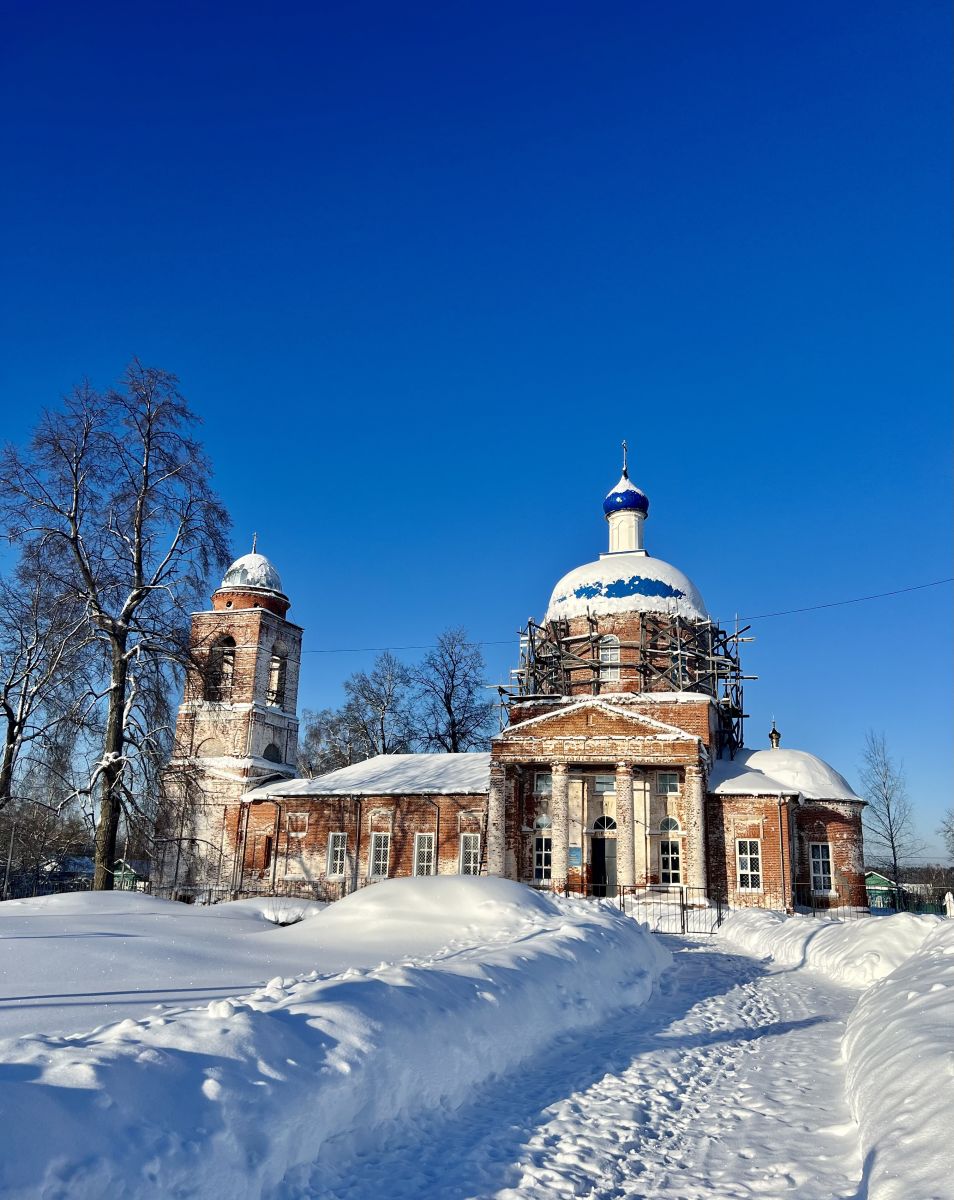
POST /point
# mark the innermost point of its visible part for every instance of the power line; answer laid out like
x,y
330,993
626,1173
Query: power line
x,y
917,587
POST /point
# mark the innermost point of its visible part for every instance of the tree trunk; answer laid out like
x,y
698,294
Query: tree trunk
x,y
6,765
110,795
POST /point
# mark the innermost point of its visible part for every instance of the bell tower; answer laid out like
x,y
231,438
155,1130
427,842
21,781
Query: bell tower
x,y
237,725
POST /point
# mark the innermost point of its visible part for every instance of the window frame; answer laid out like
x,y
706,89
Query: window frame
x,y
376,835
610,659
542,858
821,891
668,791
471,855
332,853
757,857
419,841
537,776
670,824
599,785
674,851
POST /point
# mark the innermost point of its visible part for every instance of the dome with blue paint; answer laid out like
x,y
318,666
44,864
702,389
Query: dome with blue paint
x,y
626,583
626,497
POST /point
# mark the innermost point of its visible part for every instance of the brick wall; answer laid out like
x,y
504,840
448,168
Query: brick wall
x,y
729,818
305,858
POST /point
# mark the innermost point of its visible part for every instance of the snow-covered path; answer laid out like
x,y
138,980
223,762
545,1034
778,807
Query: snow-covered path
x,y
728,1085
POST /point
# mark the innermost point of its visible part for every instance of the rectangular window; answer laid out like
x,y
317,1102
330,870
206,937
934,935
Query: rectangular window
x,y
748,857
609,659
470,854
337,855
542,857
543,783
604,785
423,854
297,825
669,866
821,866
380,855
667,783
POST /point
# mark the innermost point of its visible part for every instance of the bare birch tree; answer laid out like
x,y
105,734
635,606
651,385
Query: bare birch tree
x,y
114,492
453,711
43,643
889,818
379,707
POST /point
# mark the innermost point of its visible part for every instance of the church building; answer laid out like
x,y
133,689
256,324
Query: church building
x,y
621,766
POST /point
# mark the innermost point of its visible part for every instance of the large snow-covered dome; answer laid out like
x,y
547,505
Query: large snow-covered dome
x,y
770,772
623,583
253,570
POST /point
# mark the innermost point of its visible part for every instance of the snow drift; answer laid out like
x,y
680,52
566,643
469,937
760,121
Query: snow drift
x,y
855,953
899,1045
222,1100
900,1052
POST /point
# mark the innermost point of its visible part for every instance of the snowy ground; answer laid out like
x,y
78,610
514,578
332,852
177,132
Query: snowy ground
x,y
727,1085
463,1038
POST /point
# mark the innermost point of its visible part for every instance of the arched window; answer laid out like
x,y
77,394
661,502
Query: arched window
x,y
604,825
277,667
669,825
272,753
609,659
220,670
543,822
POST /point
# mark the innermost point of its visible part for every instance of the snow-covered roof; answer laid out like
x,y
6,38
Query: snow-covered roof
x,y
779,773
253,570
392,774
627,582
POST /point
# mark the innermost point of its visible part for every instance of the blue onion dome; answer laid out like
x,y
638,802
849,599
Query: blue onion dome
x,y
626,495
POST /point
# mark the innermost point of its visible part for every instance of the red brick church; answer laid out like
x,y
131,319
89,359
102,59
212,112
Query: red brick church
x,y
621,766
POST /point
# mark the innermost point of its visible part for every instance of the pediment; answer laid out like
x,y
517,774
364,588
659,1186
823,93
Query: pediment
x,y
593,717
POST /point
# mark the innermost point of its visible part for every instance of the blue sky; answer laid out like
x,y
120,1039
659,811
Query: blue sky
x,y
420,268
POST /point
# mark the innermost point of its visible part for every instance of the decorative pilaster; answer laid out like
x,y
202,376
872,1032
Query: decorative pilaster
x,y
496,821
696,831
560,816
641,833
625,842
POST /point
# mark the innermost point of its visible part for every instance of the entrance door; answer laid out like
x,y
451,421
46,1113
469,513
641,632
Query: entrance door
x,y
603,857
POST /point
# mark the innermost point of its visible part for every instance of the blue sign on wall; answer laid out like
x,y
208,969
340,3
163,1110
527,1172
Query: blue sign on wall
x,y
576,856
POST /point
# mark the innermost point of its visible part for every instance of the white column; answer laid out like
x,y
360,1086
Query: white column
x,y
696,831
496,822
641,839
625,844
560,816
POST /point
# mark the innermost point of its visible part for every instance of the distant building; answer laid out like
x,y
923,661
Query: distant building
x,y
622,764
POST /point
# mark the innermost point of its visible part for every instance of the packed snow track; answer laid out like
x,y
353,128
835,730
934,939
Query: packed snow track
x,y
728,1084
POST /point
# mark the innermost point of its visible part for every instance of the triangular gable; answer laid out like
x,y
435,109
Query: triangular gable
x,y
638,724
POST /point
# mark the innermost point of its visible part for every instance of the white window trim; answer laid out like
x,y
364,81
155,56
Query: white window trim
x,y
541,837
738,870
609,652
537,775
329,874
610,792
460,863
675,842
831,891
418,839
668,791
379,833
